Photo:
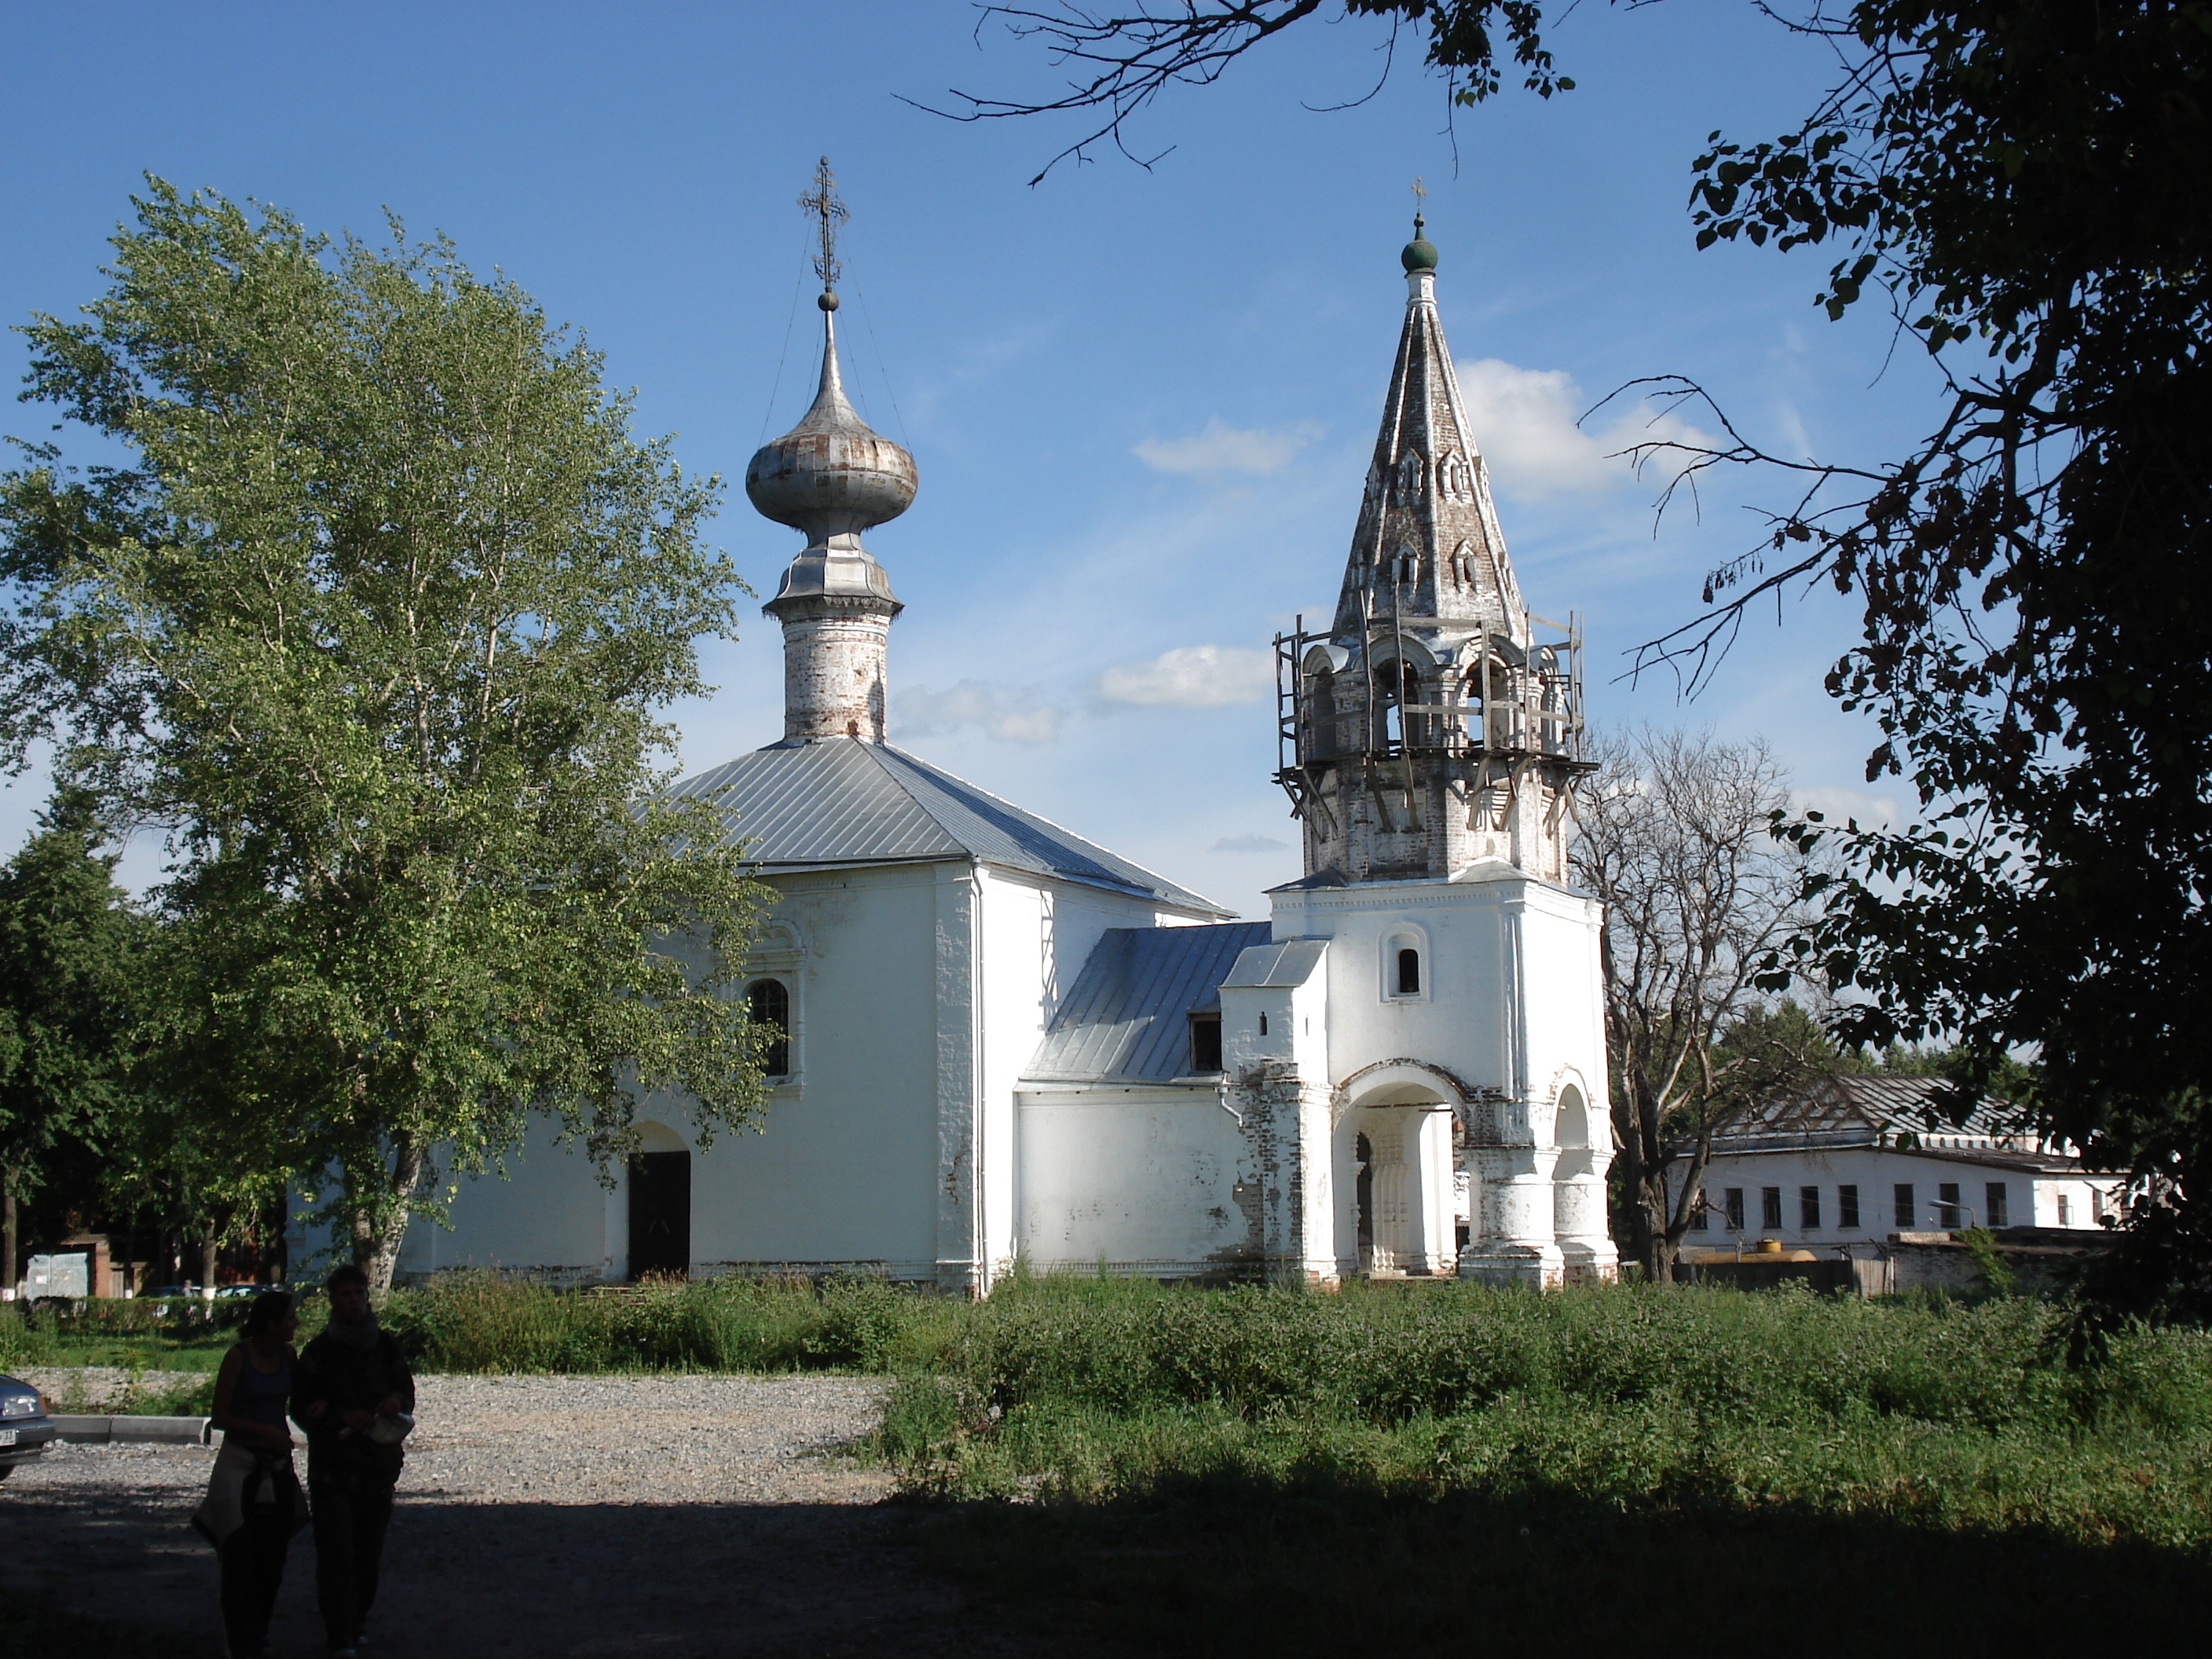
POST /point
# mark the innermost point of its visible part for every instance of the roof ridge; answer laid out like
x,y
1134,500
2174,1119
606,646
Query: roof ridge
x,y
1165,884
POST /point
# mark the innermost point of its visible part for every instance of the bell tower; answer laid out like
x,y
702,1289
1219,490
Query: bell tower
x,y
1436,723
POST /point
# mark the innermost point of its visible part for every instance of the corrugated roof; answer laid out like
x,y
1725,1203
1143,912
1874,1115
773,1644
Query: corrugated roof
x,y
1264,966
846,801
1858,1110
1124,1018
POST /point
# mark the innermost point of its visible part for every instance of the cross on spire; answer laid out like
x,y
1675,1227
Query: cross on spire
x,y
1420,198
822,201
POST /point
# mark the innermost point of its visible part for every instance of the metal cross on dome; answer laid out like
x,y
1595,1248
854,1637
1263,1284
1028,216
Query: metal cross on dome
x,y
822,201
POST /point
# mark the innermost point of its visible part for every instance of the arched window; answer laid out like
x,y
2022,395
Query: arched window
x,y
767,1002
1397,683
1323,736
1405,969
1491,704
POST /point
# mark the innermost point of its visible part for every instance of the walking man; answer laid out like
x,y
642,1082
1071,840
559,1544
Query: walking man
x,y
352,1392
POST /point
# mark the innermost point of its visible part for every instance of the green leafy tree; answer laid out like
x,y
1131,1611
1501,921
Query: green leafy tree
x,y
71,952
376,624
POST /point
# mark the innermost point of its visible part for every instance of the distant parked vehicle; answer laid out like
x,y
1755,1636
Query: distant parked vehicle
x,y
242,1293
25,1428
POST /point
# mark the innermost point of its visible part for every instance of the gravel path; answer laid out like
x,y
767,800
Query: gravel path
x,y
660,1516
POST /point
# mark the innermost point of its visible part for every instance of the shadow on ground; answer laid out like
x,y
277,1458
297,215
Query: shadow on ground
x,y
1200,1568
1227,1568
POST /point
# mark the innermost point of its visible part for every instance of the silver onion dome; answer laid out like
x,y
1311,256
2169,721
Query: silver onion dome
x,y
829,476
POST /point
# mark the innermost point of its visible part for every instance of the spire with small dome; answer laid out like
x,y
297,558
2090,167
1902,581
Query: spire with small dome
x,y
1435,726
831,477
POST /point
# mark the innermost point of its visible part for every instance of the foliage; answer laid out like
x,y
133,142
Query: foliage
x,y
1676,841
2024,181
71,954
1628,1399
480,1322
374,624
1122,60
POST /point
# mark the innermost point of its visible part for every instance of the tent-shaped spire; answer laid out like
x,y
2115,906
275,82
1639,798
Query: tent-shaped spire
x,y
1427,548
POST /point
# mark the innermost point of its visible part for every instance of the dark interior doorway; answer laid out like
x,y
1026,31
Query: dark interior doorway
x,y
1364,1187
661,1214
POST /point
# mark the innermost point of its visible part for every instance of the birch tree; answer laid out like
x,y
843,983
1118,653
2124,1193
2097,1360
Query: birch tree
x,y
1677,839
375,622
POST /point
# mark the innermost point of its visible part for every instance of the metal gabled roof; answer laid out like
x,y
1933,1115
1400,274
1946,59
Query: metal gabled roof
x,y
843,801
1272,965
1125,1020
1859,1110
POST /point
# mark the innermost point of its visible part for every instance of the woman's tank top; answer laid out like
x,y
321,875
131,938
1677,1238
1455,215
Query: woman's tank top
x,y
260,1395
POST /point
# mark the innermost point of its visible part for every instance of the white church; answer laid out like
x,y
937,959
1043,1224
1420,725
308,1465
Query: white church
x,y
1005,1043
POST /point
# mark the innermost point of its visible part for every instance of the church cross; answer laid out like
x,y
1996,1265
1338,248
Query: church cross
x,y
822,201
1420,194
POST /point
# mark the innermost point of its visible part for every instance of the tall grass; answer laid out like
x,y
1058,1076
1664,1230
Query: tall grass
x,y
480,1322
1940,1414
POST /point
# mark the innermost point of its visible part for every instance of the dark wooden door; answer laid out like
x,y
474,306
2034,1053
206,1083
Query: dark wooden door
x,y
660,1213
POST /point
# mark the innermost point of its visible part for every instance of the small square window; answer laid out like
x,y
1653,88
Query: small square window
x,y
1847,1207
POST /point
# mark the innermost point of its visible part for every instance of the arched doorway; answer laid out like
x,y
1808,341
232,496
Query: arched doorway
x,y
660,1204
1395,1196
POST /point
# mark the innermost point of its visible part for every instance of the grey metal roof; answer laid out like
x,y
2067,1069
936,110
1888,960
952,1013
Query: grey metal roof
x,y
1124,1018
1266,966
799,805
1860,1111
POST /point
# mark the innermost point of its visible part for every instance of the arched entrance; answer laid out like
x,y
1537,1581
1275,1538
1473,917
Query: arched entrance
x,y
660,1204
1394,1155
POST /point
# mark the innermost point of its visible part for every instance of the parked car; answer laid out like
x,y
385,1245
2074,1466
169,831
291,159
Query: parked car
x,y
239,1292
25,1427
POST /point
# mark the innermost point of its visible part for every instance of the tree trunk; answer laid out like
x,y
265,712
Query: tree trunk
x,y
377,1237
210,1238
7,1229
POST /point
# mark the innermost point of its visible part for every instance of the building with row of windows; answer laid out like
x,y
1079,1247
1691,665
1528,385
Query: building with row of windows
x,y
1858,1159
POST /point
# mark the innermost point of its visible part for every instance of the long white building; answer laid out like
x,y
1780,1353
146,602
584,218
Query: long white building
x,y
1006,1042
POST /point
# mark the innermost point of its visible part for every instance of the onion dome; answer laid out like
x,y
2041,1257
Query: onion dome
x,y
1419,254
829,476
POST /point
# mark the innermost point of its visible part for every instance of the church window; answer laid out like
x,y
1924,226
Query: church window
x,y
1770,1208
1847,1207
767,1002
1734,1206
1263,1021
1491,707
1405,975
1907,1211
1946,1203
1205,1042
2065,1211
1998,1212
1808,1208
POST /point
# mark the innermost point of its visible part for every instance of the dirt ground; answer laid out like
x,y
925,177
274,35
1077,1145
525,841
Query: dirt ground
x,y
663,1517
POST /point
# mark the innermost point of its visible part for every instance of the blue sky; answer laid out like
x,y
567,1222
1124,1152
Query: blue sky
x,y
1141,402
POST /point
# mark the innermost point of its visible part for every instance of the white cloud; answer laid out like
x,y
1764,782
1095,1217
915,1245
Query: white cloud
x,y
1524,423
1011,714
1250,844
1221,449
1192,676
1840,806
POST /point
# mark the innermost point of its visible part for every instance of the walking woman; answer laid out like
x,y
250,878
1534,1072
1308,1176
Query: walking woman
x,y
253,1505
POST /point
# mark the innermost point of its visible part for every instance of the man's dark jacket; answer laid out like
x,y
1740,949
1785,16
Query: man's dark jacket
x,y
347,1378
